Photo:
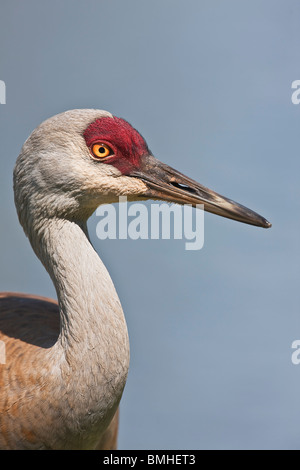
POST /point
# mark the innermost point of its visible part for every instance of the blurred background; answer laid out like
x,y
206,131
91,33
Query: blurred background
x,y
208,84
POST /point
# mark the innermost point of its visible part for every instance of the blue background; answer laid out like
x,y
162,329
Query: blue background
x,y
208,84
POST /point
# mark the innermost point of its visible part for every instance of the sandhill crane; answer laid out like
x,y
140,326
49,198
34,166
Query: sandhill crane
x,y
67,362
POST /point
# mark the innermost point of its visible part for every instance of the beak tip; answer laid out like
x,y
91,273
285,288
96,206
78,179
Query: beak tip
x,y
267,224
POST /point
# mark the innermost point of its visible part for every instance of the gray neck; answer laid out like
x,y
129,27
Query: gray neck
x,y
93,339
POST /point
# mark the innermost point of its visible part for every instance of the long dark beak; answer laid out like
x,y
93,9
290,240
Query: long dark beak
x,y
165,183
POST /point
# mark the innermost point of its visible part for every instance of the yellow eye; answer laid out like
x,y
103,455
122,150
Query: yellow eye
x,y
101,150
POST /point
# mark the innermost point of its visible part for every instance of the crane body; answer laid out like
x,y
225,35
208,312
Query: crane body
x,y
67,360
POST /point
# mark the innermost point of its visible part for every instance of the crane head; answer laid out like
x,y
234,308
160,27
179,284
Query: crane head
x,y
79,159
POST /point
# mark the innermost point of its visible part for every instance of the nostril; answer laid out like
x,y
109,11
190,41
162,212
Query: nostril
x,y
183,186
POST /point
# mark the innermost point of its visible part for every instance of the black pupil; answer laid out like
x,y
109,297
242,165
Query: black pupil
x,y
102,149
